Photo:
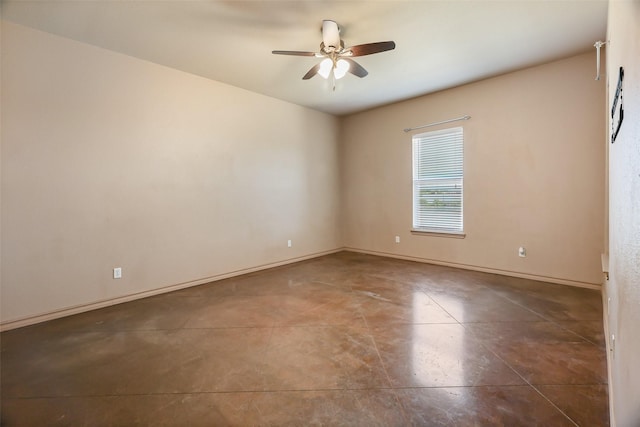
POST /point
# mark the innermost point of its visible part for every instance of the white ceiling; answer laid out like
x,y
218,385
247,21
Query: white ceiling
x,y
440,44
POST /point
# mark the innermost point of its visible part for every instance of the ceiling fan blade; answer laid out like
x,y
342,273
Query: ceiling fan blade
x,y
330,34
371,48
312,72
293,52
355,68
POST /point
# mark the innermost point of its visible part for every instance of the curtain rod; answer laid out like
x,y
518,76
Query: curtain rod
x,y
437,123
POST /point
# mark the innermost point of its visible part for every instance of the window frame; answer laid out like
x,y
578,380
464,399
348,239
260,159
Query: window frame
x,y
439,177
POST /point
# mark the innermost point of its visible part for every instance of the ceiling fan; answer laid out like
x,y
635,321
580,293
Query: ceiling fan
x,y
337,59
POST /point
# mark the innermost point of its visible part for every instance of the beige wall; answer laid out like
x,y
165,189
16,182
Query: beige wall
x,y
110,161
534,174
624,216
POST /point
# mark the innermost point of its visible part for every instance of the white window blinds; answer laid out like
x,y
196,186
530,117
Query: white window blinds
x,y
438,181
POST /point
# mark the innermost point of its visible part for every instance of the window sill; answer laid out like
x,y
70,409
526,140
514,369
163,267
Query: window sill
x,y
450,234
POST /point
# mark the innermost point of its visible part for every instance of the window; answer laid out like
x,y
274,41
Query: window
x,y
438,181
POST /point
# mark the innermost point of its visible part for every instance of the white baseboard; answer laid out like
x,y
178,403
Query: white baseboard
x,y
555,280
607,336
69,311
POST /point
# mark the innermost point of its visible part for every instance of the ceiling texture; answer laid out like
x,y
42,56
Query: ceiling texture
x,y
439,44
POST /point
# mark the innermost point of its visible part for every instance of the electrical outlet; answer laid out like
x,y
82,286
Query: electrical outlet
x,y
288,243
612,345
397,239
117,273
522,252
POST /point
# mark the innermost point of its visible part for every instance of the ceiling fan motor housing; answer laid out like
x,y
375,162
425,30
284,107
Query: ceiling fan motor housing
x,y
331,35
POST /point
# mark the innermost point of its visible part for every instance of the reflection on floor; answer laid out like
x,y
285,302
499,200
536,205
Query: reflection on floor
x,y
345,339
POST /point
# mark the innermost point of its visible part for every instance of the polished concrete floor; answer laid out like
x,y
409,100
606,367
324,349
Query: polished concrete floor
x,y
345,339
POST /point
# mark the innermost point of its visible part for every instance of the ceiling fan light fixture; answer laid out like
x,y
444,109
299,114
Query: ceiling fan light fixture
x,y
325,67
340,69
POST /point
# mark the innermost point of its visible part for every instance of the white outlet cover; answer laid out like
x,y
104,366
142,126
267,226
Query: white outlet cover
x,y
613,344
117,273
